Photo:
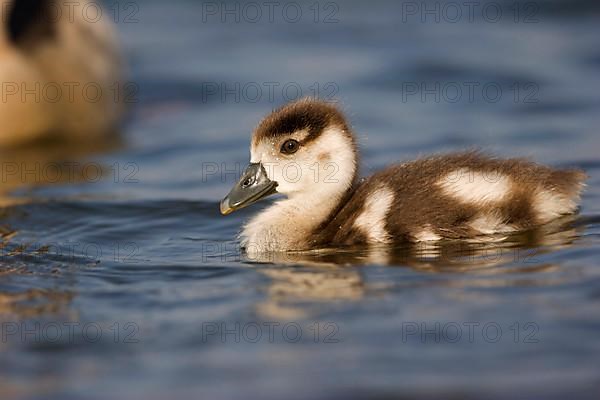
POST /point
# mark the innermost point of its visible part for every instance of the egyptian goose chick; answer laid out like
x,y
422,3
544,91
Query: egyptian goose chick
x,y
307,152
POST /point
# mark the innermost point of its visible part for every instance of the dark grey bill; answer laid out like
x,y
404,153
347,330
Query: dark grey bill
x,y
252,186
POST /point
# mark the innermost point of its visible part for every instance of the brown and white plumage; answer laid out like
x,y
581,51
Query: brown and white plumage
x,y
453,196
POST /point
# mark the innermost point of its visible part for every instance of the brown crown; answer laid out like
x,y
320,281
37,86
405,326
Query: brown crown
x,y
307,114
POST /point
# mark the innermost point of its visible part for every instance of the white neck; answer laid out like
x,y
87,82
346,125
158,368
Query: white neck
x,y
288,223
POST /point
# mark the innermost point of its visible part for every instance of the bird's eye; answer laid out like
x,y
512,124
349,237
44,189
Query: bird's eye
x,y
290,146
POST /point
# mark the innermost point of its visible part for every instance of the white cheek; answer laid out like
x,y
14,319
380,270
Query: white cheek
x,y
297,173
286,171
260,153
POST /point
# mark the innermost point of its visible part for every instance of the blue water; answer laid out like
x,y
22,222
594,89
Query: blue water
x,y
132,285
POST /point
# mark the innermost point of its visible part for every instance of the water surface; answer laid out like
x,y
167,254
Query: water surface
x,y
131,285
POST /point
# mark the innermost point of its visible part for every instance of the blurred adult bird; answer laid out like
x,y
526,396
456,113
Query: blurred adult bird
x,y
60,71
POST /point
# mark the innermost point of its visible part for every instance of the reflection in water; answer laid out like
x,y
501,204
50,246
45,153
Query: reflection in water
x,y
33,303
327,275
487,251
23,169
48,164
290,287
30,303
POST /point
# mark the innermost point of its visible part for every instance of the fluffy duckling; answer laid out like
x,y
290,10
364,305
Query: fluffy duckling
x,y
55,58
307,152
